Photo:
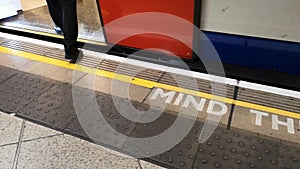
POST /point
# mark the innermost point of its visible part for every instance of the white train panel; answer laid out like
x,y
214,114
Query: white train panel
x,y
274,19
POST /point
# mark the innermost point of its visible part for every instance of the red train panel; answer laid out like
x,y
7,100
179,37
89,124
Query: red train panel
x,y
150,31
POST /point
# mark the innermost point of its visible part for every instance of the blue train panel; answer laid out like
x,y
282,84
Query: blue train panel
x,y
255,52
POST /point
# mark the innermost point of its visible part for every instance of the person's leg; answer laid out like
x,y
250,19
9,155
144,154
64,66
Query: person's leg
x,y
55,10
70,27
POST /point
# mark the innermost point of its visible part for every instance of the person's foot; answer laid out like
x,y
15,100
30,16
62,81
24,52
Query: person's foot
x,y
58,30
68,57
78,55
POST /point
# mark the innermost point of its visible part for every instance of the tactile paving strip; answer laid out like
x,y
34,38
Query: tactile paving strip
x,y
110,114
288,156
75,129
154,128
6,73
53,108
74,126
238,149
183,154
20,90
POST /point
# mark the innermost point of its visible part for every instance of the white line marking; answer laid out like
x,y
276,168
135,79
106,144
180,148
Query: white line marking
x,y
270,89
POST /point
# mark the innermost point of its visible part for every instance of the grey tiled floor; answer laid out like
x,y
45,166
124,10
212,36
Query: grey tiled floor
x,y
41,147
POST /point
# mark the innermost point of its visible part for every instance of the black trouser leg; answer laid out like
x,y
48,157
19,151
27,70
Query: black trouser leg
x,y
70,26
55,11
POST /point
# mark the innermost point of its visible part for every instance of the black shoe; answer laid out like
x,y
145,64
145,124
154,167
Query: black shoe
x,y
58,30
76,57
68,57
72,56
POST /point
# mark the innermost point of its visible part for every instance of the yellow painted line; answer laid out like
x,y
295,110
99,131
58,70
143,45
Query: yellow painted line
x,y
51,35
38,58
142,82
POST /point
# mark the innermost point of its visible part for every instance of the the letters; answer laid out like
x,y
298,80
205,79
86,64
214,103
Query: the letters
x,y
259,116
190,99
212,105
178,99
289,124
161,93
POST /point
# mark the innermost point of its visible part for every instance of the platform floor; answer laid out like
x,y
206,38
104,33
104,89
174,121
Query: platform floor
x,y
259,128
44,125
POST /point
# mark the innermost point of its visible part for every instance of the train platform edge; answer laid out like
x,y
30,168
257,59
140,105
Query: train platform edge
x,y
259,129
